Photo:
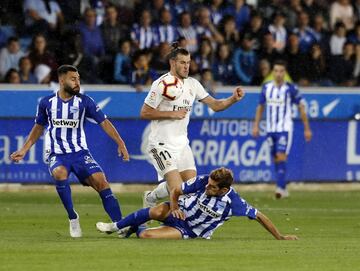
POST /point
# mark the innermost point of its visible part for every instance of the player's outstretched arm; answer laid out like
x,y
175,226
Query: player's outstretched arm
x,y
34,135
305,120
270,227
174,205
113,133
221,104
149,113
258,115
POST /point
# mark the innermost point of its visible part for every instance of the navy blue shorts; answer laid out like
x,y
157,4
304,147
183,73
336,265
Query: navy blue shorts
x,y
81,163
280,142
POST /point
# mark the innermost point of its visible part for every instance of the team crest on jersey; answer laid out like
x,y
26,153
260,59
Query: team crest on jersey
x,y
74,109
88,159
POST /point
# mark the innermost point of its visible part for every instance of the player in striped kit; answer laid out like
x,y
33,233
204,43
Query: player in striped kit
x,y
277,97
168,145
64,114
207,203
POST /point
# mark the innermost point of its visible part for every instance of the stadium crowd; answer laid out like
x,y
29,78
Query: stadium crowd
x,y
231,41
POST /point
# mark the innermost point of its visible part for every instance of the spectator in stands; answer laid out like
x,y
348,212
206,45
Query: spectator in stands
x,y
216,9
43,73
277,29
315,67
313,8
187,30
264,73
205,28
10,56
39,54
113,30
230,33
292,11
338,39
207,81
240,11
245,61
178,7
296,60
165,31
155,7
304,32
320,32
268,50
25,71
204,57
342,66
223,66
256,29
357,10
12,77
269,8
356,73
354,36
142,75
122,66
160,63
342,11
92,40
43,17
142,33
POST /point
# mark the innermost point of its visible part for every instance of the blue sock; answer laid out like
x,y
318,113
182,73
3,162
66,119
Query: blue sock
x,y
64,191
281,172
111,204
135,219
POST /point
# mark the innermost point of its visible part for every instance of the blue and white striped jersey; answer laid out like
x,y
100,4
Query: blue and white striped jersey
x,y
278,102
65,121
204,214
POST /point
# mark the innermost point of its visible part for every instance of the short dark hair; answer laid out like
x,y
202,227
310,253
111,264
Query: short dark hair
x,y
223,177
64,69
176,50
280,62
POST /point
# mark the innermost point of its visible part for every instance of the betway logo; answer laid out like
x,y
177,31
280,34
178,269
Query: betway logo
x,y
65,123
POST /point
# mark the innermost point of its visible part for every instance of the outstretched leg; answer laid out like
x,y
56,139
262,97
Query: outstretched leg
x,y
162,232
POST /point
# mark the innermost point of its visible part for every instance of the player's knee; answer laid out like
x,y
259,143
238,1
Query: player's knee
x,y
159,212
59,173
146,234
99,183
280,157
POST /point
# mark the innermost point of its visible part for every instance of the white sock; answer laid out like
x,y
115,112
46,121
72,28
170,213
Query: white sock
x,y
159,192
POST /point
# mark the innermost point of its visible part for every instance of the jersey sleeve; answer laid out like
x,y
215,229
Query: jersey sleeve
x,y
93,111
201,93
262,98
295,94
194,185
41,115
240,207
154,97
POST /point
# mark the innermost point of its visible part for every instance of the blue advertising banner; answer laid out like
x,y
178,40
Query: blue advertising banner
x,y
332,155
127,104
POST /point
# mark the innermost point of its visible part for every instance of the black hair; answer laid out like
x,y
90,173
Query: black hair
x,y
280,62
64,69
176,50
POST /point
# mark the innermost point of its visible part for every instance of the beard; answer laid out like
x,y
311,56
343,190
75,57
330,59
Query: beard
x,y
72,91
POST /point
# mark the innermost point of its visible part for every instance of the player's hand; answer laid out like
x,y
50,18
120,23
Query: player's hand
x,y
122,151
289,237
307,135
255,131
179,114
17,156
178,214
238,94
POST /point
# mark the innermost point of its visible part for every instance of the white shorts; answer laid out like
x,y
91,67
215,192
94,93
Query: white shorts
x,y
165,160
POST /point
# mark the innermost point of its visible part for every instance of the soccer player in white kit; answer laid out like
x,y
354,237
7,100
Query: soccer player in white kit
x,y
169,147
278,96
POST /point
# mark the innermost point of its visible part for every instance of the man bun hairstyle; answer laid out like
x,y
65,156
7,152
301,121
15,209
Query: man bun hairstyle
x,y
64,69
176,50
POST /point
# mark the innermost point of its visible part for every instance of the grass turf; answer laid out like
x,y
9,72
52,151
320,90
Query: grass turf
x,y
34,236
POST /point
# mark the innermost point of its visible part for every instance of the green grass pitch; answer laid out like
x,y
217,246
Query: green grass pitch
x,y
34,236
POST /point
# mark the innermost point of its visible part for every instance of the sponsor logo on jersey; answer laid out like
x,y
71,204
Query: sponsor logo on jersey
x,y
65,123
207,210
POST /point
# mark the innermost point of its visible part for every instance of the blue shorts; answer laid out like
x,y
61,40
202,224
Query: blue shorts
x,y
279,142
180,225
81,163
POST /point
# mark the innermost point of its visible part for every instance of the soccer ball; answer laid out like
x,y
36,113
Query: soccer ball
x,y
171,87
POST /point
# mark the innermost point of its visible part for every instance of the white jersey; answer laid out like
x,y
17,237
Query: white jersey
x,y
173,133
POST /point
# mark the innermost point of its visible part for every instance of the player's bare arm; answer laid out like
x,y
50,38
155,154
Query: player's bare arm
x,y
270,227
149,113
221,104
174,205
34,135
305,120
112,132
258,115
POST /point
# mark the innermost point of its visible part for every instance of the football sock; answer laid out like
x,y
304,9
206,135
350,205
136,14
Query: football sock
x,y
111,204
64,191
159,192
135,219
281,172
